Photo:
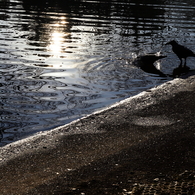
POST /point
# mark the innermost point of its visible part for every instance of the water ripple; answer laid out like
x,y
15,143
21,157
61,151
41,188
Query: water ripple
x,y
61,61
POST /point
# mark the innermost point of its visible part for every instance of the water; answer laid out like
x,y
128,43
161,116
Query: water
x,y
61,60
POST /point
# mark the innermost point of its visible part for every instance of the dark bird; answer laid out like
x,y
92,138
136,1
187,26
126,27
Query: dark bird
x,y
146,63
181,51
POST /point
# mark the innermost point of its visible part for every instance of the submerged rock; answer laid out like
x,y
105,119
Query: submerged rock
x,y
146,63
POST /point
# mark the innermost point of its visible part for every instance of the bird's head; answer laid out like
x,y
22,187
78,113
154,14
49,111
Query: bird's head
x,y
171,43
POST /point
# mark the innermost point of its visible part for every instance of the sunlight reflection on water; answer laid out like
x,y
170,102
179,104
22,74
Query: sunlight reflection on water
x,y
61,61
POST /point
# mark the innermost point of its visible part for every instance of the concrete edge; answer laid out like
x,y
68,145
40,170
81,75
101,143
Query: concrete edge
x,y
38,141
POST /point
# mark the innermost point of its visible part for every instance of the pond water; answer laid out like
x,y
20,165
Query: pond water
x,y
61,60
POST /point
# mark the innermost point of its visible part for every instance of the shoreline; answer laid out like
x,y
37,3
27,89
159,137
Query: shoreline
x,y
144,137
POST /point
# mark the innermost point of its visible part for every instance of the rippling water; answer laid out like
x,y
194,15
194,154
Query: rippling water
x,y
61,60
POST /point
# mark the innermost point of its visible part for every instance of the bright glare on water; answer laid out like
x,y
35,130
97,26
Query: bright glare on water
x,y
61,60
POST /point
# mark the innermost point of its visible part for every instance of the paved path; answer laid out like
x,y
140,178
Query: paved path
x,y
144,139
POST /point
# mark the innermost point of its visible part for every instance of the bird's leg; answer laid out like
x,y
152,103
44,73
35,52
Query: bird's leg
x,y
180,62
185,62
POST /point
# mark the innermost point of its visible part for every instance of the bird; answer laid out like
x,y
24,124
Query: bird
x,y
181,51
146,63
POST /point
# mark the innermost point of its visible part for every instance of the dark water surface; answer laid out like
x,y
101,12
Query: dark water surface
x,y
61,60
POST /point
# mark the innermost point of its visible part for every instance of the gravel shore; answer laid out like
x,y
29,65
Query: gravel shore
x,y
146,140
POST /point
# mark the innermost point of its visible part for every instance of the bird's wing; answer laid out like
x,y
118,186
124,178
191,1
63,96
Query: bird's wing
x,y
182,52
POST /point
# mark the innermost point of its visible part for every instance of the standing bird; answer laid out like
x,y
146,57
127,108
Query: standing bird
x,y
181,51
